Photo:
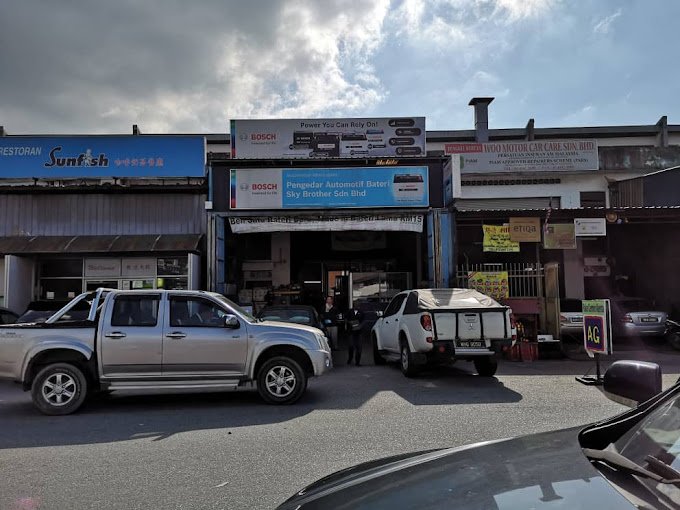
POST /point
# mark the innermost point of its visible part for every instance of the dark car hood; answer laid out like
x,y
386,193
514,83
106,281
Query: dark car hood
x,y
541,471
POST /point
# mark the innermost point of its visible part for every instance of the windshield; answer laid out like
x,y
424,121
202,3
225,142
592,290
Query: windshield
x,y
247,315
656,437
295,315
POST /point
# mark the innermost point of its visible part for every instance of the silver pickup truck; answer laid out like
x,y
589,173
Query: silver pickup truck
x,y
111,340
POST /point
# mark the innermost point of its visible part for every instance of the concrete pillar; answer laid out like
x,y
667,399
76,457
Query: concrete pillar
x,y
573,272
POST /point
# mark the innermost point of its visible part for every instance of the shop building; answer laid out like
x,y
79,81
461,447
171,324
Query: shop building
x,y
535,221
81,212
338,211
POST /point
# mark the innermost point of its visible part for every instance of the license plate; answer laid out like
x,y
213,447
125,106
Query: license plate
x,y
649,319
471,344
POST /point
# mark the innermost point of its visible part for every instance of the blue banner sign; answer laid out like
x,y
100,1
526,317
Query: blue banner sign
x,y
323,188
101,156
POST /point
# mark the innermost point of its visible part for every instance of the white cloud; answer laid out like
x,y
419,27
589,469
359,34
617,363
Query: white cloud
x,y
605,24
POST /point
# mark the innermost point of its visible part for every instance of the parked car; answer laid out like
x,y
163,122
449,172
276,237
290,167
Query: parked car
x,y
160,339
627,462
571,318
297,314
637,317
441,325
40,311
7,316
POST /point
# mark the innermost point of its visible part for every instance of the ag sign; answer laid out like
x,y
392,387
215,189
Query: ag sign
x,y
597,326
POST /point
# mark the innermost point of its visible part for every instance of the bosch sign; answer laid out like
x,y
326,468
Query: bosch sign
x,y
258,186
258,137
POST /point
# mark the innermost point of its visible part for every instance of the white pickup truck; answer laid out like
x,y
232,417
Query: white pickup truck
x,y
426,326
112,340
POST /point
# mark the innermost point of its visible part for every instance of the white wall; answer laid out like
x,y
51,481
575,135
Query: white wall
x,y
568,190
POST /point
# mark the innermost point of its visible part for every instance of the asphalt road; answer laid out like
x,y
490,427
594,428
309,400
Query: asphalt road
x,y
231,451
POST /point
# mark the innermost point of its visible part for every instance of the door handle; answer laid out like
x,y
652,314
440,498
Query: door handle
x,y
115,334
176,334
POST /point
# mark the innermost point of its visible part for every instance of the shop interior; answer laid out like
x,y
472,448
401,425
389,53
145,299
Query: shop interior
x,y
364,269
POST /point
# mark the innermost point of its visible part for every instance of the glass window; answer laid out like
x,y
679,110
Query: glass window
x,y
172,283
395,305
195,312
172,266
7,318
135,311
61,268
61,288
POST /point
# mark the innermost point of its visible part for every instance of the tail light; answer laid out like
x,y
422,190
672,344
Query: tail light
x,y
426,322
563,319
627,318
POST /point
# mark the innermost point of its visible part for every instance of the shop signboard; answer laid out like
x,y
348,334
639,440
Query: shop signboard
x,y
326,223
139,267
525,230
494,284
596,266
328,138
521,156
597,332
102,267
329,188
590,227
559,236
497,239
59,157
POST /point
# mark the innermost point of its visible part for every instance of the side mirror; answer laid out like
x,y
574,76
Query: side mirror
x,y
632,382
379,314
231,322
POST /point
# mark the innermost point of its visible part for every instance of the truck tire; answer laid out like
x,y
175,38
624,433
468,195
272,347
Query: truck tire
x,y
58,389
281,380
408,367
377,358
486,366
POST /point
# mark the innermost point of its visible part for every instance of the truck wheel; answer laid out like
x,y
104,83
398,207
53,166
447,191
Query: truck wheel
x,y
377,358
59,388
281,380
486,366
408,367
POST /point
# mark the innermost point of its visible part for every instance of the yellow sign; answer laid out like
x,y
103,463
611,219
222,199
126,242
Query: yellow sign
x,y
497,239
560,236
494,284
525,230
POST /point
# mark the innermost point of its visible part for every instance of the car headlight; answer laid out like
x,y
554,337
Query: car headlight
x,y
323,342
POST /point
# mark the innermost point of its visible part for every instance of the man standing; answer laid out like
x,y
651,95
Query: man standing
x,y
355,321
329,316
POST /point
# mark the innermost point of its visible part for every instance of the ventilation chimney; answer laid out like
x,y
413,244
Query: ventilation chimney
x,y
481,105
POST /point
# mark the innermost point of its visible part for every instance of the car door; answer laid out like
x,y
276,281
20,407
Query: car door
x,y
389,328
131,336
197,342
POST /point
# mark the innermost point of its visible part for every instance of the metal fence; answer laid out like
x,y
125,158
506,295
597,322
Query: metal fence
x,y
524,280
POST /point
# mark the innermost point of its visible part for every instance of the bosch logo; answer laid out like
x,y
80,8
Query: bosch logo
x,y
262,136
243,137
264,186
244,186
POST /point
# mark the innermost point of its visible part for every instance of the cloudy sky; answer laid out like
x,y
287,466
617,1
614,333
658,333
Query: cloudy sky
x,y
77,66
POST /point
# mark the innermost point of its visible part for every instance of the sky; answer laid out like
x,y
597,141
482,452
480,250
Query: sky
x,y
177,66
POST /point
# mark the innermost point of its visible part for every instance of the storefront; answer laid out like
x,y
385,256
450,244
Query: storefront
x,y
296,230
124,212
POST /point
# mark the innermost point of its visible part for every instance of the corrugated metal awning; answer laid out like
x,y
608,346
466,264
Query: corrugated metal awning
x,y
100,244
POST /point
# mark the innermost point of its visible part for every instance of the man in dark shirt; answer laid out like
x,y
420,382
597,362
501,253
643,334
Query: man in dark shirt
x,y
355,324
